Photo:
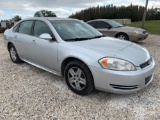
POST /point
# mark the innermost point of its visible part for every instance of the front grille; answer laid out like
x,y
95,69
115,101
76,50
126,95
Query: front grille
x,y
147,79
145,64
122,87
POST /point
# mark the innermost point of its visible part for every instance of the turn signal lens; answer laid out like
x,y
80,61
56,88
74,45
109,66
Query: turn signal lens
x,y
104,63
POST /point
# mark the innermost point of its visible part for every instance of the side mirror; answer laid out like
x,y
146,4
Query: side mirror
x,y
109,27
46,36
103,35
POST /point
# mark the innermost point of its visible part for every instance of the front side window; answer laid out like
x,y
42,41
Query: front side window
x,y
93,24
71,29
15,29
101,24
41,28
25,27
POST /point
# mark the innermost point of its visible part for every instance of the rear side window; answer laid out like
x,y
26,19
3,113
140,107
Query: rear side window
x,y
25,27
40,28
93,24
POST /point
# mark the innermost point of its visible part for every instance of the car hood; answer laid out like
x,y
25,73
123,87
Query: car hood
x,y
127,28
111,47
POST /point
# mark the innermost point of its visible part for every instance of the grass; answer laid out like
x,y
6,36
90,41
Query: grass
x,y
152,26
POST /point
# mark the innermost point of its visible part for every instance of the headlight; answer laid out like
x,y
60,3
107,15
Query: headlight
x,y
116,64
137,32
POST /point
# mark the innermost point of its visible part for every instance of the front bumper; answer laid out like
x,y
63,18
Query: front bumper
x,y
123,82
138,37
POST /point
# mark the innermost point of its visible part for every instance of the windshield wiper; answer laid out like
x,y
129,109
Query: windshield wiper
x,y
80,39
97,36
76,39
119,26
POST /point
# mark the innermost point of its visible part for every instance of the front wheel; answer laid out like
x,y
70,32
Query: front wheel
x,y
122,37
13,54
79,78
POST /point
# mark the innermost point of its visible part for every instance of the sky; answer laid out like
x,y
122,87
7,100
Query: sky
x,y
62,8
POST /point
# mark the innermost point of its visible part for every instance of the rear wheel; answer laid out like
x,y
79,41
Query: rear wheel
x,y
79,78
122,36
13,54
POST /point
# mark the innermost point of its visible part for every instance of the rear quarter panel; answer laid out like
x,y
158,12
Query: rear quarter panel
x,y
7,37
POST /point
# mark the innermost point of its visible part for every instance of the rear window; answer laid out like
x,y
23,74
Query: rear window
x,y
25,27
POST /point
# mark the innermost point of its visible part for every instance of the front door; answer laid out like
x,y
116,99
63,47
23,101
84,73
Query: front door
x,y
104,28
44,52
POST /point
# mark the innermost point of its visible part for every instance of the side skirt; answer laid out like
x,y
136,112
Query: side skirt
x,y
43,68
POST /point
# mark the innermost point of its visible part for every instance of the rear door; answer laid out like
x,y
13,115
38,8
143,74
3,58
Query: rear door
x,y
22,38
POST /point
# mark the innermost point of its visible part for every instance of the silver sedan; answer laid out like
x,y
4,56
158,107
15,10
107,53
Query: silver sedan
x,y
80,54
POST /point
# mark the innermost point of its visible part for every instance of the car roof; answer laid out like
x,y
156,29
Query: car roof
x,y
48,18
99,20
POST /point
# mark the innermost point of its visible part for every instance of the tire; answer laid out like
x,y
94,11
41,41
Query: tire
x,y
14,55
79,78
122,36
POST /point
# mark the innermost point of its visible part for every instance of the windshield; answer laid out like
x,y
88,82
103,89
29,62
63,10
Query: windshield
x,y
114,24
75,30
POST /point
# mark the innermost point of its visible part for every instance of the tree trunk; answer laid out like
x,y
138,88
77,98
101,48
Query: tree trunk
x,y
144,15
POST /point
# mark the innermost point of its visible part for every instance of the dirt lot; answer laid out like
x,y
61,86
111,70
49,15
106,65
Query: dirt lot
x,y
27,92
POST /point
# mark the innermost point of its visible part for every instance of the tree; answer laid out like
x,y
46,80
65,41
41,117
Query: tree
x,y
133,12
16,18
44,13
144,15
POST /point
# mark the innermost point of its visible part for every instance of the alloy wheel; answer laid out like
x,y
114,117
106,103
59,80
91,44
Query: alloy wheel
x,y
77,78
122,37
13,54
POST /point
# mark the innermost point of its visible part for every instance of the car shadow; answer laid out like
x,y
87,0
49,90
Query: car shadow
x,y
141,42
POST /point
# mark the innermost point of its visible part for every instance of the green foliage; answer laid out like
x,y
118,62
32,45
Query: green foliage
x,y
133,12
152,26
10,22
44,13
16,18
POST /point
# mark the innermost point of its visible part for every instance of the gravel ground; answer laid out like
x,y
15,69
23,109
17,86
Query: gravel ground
x,y
28,93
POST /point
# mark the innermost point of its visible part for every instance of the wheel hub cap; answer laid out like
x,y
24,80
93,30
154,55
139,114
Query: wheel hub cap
x,y
13,53
122,37
76,78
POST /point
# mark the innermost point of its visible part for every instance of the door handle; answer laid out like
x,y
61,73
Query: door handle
x,y
33,41
15,36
